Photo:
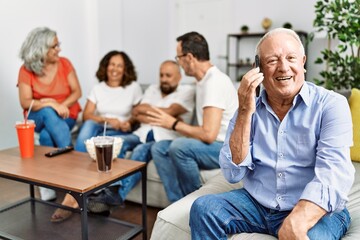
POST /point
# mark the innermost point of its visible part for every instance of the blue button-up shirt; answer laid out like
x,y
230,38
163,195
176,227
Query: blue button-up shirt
x,y
304,156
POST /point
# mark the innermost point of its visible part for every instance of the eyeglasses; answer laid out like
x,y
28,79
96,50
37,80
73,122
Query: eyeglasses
x,y
56,45
177,58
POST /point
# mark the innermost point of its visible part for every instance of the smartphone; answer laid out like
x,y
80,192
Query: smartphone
x,y
257,64
257,61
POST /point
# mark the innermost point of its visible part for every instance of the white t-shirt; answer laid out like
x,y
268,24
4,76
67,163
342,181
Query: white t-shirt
x,y
216,89
184,95
115,102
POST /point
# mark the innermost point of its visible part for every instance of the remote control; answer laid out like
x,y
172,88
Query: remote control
x,y
59,151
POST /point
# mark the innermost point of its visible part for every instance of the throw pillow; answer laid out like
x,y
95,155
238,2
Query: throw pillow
x,y
354,102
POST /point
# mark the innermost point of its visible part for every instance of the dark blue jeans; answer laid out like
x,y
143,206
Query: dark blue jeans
x,y
215,216
140,152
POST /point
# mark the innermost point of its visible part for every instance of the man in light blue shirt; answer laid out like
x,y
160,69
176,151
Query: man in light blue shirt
x,y
291,148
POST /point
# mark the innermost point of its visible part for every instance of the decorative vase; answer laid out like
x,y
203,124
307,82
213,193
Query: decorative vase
x,y
266,23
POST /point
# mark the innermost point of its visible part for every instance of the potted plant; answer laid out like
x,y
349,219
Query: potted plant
x,y
340,19
244,29
287,25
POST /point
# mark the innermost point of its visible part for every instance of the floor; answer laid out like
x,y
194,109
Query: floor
x,y
131,212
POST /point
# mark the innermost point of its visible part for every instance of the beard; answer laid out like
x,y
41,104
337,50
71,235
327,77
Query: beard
x,y
166,88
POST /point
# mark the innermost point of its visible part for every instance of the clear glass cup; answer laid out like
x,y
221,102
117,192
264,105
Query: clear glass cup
x,y
104,152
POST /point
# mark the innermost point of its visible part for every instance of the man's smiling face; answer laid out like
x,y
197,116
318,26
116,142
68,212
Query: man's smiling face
x,y
282,62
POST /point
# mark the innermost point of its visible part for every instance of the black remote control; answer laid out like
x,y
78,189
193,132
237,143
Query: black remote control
x,y
59,151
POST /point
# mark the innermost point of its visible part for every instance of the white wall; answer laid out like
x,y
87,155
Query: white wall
x,y
145,29
72,20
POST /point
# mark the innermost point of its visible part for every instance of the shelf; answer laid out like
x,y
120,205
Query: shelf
x,y
239,65
260,34
234,52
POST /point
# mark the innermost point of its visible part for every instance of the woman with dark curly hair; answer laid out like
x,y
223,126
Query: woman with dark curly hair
x,y
112,100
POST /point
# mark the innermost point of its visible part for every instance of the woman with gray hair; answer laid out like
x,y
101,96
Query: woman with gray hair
x,y
49,83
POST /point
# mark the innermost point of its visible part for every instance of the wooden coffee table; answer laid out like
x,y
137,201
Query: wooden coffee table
x,y
74,173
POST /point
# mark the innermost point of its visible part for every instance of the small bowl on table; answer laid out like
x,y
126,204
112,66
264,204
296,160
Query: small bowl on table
x,y
90,147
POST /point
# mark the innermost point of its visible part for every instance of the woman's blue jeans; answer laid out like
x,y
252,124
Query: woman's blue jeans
x,y
91,129
215,216
54,131
178,163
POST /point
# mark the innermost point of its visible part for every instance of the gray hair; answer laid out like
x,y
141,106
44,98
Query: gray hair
x,y
277,31
35,48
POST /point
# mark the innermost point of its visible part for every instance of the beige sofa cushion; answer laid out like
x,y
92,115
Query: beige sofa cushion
x,y
173,222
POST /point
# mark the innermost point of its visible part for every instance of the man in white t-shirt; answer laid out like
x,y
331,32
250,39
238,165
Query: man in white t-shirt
x,y
179,162
172,98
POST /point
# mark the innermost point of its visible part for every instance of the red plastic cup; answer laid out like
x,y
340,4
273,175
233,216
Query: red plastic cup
x,y
25,133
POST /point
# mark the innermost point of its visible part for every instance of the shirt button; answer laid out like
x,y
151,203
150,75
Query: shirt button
x,y
279,198
280,175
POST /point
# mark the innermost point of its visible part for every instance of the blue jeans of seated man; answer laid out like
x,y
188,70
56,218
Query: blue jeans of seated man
x,y
54,130
214,216
91,129
140,153
130,141
178,163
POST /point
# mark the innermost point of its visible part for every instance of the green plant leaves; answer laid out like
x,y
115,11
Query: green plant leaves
x,y
340,19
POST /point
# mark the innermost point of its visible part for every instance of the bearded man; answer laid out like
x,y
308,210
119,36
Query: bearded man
x,y
171,97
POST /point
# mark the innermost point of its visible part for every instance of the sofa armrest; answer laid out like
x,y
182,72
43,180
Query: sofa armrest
x,y
173,221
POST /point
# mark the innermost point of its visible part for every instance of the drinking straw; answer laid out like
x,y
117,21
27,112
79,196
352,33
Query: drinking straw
x,y
105,128
28,111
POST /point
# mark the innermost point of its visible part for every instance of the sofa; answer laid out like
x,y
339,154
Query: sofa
x,y
156,196
173,221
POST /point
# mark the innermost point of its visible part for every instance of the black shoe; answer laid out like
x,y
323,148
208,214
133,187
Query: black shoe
x,y
98,207
106,200
103,214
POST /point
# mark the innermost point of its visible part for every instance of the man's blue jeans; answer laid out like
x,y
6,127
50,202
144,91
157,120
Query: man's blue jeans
x,y
215,216
140,152
54,131
130,141
91,129
178,163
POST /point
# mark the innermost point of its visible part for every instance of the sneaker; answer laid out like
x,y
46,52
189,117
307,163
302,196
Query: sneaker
x,y
47,194
98,207
106,200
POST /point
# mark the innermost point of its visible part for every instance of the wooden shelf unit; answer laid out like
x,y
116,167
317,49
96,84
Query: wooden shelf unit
x,y
234,40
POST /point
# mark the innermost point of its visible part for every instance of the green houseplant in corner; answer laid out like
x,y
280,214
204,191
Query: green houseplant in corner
x,y
340,19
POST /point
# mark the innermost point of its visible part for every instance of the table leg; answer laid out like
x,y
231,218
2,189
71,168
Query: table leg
x,y
32,196
81,199
144,203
